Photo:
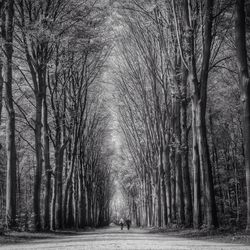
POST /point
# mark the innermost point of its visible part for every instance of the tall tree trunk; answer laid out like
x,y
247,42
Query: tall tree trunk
x,y
163,186
10,128
150,197
67,192
189,53
173,184
82,199
69,208
2,32
47,166
39,160
199,100
166,167
184,156
178,165
59,176
1,88
241,51
76,196
158,195
196,169
210,204
67,199
145,200
53,204
89,205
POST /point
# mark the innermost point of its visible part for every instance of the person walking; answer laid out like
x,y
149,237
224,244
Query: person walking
x,y
128,223
121,223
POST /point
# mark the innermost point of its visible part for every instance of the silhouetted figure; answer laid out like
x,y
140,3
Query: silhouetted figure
x,y
128,223
121,223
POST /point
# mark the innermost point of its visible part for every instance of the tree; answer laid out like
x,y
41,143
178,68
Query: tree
x,y
2,14
241,52
201,158
7,34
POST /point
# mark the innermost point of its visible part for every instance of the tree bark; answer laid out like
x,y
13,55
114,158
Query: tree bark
x,y
46,165
199,101
178,164
39,163
59,155
82,199
2,32
241,52
163,186
53,204
184,155
196,169
158,195
70,213
89,205
166,167
10,127
67,190
1,88
173,184
205,163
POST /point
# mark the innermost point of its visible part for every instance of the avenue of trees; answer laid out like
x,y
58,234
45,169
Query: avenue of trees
x,y
180,93
182,84
55,169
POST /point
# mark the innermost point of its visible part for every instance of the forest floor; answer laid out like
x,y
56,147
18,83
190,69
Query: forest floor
x,y
113,238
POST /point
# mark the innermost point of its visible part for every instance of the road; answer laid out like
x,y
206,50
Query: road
x,y
114,238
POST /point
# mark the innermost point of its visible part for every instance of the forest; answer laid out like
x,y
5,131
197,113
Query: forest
x,y
150,98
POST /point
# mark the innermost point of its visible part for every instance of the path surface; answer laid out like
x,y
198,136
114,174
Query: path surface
x,y
114,238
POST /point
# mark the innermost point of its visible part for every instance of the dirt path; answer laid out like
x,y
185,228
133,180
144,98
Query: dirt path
x,y
114,238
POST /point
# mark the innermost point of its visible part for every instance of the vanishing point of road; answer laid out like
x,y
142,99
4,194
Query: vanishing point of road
x,y
113,238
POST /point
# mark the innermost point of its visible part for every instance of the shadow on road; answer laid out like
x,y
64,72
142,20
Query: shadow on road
x,y
114,234
217,235
26,237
